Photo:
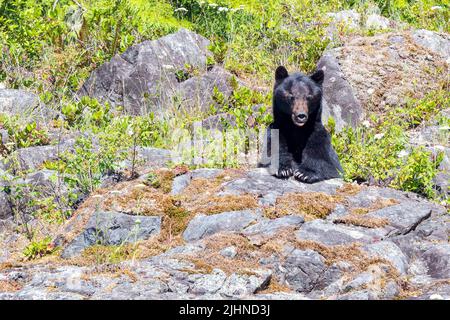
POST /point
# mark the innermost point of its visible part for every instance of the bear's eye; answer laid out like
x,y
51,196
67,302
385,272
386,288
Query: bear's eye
x,y
309,97
290,97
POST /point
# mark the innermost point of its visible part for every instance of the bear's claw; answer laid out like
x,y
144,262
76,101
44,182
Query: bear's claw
x,y
284,173
301,176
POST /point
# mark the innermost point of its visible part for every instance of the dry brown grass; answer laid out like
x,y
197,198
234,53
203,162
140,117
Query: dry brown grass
x,y
313,205
349,189
275,286
378,204
245,261
9,286
217,204
362,221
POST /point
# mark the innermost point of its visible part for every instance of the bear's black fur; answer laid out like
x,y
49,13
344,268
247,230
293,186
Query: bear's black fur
x,y
305,150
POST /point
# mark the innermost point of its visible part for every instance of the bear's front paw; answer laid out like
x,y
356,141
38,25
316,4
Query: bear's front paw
x,y
305,177
284,173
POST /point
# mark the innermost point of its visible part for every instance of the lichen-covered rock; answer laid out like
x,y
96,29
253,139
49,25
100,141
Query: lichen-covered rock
x,y
303,269
404,216
33,158
240,254
390,252
181,182
329,233
21,102
202,226
112,228
196,92
269,227
437,259
144,77
367,74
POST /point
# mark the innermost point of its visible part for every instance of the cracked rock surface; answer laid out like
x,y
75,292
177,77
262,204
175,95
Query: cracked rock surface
x,y
211,237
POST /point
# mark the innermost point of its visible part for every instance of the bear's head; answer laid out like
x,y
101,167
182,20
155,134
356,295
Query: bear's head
x,y
298,96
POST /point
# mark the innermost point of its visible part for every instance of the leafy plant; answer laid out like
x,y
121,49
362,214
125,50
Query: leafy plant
x,y
38,249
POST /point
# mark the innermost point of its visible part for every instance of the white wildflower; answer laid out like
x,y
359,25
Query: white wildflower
x,y
181,9
130,132
222,9
434,8
378,136
402,154
366,123
213,5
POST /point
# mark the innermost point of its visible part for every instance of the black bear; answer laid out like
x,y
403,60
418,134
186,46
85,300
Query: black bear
x,y
305,149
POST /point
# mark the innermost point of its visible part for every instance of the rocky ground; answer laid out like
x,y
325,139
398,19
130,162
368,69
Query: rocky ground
x,y
217,234
234,233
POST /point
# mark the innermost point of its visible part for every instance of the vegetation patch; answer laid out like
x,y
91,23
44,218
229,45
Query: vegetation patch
x,y
362,221
9,286
313,205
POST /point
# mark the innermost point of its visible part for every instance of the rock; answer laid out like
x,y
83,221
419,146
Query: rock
x,y
261,182
349,19
33,158
144,77
339,100
404,217
278,296
439,291
112,228
150,157
367,74
208,283
197,92
268,227
437,259
238,285
5,206
229,252
360,281
332,234
436,42
181,182
21,102
389,251
202,226
375,21
219,121
303,269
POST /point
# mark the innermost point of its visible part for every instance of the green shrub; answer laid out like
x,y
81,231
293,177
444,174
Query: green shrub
x,y
38,249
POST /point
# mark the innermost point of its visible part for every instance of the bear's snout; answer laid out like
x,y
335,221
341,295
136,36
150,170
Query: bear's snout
x,y
300,118
300,112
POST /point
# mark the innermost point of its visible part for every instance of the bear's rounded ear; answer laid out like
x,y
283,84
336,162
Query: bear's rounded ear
x,y
281,73
318,76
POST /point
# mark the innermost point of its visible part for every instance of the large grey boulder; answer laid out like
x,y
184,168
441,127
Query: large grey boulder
x,y
21,102
389,251
368,74
33,158
113,228
328,233
303,269
339,100
197,92
435,42
5,206
183,181
144,77
404,217
202,226
437,259
269,227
